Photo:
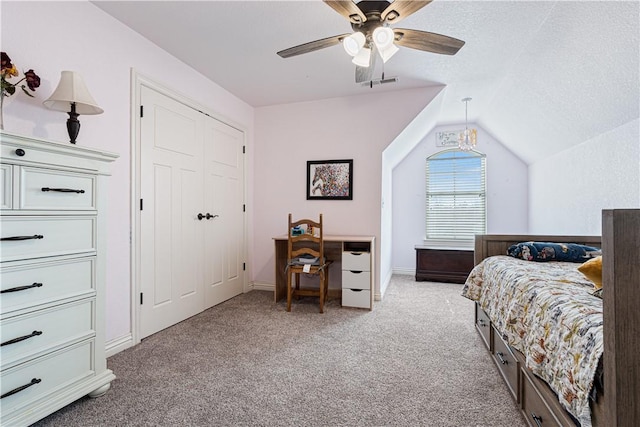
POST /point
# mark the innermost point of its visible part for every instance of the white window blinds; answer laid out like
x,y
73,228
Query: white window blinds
x,y
456,198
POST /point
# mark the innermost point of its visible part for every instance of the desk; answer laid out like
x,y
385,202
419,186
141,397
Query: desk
x,y
339,273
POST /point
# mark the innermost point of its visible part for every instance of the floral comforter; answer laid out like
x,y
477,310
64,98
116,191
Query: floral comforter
x,y
547,312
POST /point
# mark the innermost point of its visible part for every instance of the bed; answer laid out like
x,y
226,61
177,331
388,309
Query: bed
x,y
610,340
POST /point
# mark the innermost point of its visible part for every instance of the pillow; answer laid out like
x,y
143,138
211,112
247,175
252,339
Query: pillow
x,y
548,251
592,270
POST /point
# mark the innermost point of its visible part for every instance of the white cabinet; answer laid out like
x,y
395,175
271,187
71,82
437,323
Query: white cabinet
x,y
357,273
52,271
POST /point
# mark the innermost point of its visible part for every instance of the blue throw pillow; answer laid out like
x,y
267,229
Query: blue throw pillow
x,y
548,251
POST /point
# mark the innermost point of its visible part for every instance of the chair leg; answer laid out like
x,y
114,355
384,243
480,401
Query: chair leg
x,y
322,291
289,291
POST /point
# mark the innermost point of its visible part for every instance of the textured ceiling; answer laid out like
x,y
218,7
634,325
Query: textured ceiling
x,y
543,75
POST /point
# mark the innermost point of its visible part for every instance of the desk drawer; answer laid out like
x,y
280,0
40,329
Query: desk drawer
x,y
47,236
30,285
356,279
356,298
44,330
54,372
50,189
356,261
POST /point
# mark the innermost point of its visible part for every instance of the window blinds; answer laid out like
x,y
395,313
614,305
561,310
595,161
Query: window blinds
x,y
455,197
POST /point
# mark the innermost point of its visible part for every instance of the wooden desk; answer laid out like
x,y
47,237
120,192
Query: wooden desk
x,y
334,246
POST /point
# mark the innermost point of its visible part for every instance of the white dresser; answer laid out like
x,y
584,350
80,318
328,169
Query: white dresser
x,y
52,276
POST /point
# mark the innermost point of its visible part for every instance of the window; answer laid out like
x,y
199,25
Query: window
x,y
456,198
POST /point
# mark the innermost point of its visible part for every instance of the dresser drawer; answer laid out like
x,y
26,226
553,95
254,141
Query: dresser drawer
x,y
55,190
53,372
507,364
356,261
356,298
6,186
33,284
47,236
483,325
536,412
356,279
43,331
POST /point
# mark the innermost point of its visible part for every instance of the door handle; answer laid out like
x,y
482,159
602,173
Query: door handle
x,y
206,216
209,216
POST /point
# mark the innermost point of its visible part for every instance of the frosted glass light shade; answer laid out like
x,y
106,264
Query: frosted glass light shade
x,y
388,52
71,89
363,58
383,37
353,43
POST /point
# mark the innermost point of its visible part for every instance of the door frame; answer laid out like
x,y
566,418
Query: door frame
x,y
137,81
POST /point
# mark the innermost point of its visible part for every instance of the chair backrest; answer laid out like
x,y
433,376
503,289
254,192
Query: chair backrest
x,y
306,243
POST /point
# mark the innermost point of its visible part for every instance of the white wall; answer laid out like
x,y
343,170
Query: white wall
x,y
358,128
569,190
507,194
54,36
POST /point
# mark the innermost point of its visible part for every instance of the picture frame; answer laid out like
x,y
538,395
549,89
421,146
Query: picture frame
x,y
330,179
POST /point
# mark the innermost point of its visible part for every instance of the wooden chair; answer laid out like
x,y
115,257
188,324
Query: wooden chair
x,y
305,255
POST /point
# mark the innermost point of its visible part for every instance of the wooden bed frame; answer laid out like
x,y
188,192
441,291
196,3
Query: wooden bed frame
x,y
619,405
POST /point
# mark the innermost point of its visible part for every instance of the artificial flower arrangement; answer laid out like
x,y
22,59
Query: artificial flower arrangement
x,y
29,80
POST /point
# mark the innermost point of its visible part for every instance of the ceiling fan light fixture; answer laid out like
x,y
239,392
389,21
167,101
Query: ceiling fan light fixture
x,y
354,43
388,52
383,37
363,58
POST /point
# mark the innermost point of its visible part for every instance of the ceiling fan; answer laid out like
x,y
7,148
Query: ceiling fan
x,y
373,38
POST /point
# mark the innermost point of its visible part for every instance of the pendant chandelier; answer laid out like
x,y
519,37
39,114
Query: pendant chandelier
x,y
467,139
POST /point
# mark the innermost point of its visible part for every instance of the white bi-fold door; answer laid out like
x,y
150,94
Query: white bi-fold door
x,y
192,214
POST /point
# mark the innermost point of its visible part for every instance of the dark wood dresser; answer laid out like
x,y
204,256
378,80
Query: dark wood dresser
x,y
443,265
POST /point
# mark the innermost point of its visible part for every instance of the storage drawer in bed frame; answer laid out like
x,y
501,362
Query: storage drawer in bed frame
x,y
538,404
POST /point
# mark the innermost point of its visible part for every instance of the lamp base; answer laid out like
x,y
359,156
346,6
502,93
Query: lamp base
x,y
73,124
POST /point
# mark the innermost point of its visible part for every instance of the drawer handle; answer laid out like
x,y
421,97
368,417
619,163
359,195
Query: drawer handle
x,y
63,190
36,236
26,337
501,358
537,419
22,387
22,288
482,322
356,271
356,253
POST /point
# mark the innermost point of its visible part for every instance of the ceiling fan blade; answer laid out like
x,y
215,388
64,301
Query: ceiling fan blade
x,y
348,9
429,42
400,9
311,46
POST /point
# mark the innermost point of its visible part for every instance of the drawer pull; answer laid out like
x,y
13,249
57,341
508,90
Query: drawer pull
x,y
537,419
500,356
482,322
26,337
20,152
356,271
22,288
22,387
63,190
36,236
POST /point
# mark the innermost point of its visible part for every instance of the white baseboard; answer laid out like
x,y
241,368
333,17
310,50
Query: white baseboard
x,y
263,286
117,345
405,271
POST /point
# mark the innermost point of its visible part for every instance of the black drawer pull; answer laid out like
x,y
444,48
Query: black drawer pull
x,y
14,238
20,152
482,322
500,356
22,288
537,419
26,337
22,387
356,271
63,190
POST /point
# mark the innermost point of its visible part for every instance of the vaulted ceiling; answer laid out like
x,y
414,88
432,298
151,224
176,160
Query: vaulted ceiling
x,y
544,75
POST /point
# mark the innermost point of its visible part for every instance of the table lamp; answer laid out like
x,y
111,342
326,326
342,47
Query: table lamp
x,y
73,97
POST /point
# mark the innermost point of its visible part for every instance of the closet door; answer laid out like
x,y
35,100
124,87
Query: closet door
x,y
223,197
171,235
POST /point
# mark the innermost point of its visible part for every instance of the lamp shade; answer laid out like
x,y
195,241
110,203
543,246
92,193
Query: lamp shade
x,y
354,43
363,58
71,89
383,37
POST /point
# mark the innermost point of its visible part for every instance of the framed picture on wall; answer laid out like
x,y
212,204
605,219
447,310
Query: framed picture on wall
x,y
330,179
